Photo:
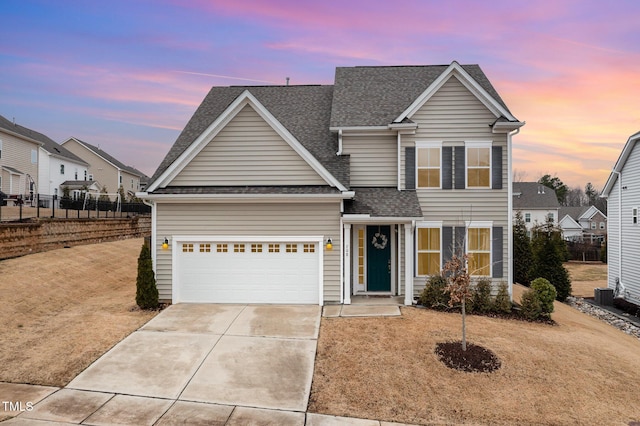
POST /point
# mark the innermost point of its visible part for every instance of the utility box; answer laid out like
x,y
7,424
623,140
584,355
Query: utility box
x,y
604,296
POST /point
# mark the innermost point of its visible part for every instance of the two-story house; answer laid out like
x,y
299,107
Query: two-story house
x,y
105,169
19,156
57,166
622,192
537,203
317,194
584,223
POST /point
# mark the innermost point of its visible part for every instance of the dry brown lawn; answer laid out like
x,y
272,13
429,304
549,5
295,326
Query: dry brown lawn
x,y
586,276
62,309
580,371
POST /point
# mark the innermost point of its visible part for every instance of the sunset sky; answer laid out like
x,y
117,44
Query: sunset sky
x,y
128,74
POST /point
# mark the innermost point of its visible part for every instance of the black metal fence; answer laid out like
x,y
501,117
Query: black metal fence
x,y
51,206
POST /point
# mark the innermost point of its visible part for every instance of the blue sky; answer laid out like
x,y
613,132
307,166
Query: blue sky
x,y
128,75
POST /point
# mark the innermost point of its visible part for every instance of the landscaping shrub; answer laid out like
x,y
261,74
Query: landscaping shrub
x,y
502,303
481,297
548,249
546,294
146,290
434,295
531,306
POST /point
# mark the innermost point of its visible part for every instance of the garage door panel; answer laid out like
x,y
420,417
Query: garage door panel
x,y
289,273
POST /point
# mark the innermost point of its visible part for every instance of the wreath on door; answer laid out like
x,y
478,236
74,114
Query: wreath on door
x,y
379,240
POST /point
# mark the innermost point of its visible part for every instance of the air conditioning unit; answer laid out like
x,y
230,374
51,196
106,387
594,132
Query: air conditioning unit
x,y
603,296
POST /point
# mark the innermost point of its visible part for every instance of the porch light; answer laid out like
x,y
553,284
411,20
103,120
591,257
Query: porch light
x,y
165,244
329,245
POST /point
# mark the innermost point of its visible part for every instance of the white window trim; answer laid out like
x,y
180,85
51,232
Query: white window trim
x,y
475,225
428,144
423,225
476,144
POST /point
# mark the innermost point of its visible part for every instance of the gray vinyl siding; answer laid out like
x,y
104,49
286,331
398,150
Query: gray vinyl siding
x,y
248,151
259,219
453,116
373,159
625,265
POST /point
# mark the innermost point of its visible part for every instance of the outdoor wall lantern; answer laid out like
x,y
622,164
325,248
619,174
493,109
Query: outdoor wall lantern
x,y
165,244
329,245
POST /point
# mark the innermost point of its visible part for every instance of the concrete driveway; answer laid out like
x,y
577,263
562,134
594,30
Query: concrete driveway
x,y
198,364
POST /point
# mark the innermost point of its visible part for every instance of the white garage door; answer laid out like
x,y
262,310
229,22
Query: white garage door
x,y
247,271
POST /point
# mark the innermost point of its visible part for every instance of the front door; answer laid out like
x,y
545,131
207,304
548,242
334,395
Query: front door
x,y
378,258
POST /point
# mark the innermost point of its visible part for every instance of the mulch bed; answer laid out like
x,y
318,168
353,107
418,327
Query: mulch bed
x,y
476,359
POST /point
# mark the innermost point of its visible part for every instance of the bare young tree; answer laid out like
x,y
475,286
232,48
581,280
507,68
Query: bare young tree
x,y
459,287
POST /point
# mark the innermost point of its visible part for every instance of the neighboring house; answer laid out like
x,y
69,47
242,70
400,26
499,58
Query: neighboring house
x,y
19,155
622,192
314,194
110,172
57,165
79,187
536,202
586,223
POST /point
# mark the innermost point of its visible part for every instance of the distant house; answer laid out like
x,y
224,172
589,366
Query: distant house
x,y
622,192
57,165
106,169
585,223
19,153
317,194
536,202
79,187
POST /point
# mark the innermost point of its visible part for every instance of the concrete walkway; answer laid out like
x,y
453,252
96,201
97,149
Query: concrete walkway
x,y
193,364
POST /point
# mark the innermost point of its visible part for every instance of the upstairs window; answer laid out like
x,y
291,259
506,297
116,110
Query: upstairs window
x,y
428,165
34,156
478,157
527,217
0,148
62,169
634,215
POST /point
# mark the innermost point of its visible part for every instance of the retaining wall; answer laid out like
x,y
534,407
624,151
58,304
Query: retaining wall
x,y
19,239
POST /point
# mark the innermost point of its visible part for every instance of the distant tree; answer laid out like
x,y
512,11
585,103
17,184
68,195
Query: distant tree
x,y
146,290
591,192
122,194
519,175
522,254
549,251
104,195
557,185
575,197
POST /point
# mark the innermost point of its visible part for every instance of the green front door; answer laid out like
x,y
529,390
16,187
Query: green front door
x,y
378,258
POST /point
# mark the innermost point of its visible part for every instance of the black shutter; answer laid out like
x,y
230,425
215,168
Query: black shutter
x,y
460,167
459,243
447,167
447,244
496,167
410,167
497,246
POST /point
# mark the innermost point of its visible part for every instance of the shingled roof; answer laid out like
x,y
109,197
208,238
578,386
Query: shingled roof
x,y
303,110
533,195
384,202
46,142
375,96
111,159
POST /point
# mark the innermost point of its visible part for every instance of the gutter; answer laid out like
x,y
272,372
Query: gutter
x,y
619,279
510,135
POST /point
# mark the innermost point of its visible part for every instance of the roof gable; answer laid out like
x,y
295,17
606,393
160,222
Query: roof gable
x,y
24,132
622,160
381,96
183,152
491,101
567,222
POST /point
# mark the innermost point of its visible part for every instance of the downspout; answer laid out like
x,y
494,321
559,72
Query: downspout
x,y
398,158
339,142
619,174
153,234
510,209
